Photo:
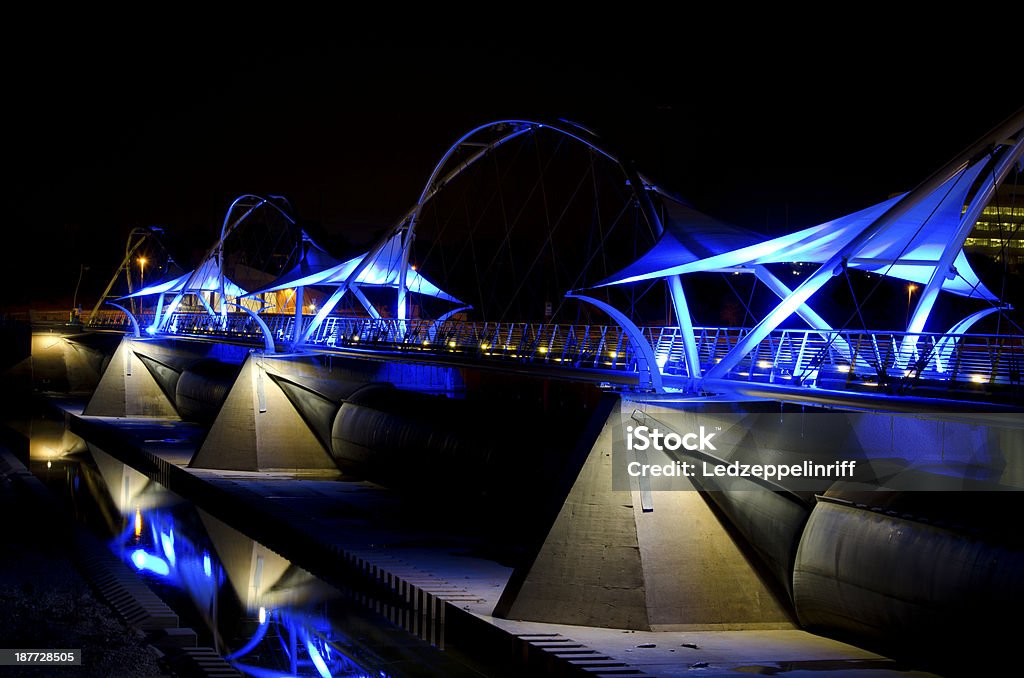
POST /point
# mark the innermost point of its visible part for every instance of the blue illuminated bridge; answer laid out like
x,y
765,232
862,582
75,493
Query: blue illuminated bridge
x,y
435,426
533,248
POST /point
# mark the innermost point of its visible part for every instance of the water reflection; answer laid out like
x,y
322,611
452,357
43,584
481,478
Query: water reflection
x,y
48,438
270,619
129,490
305,642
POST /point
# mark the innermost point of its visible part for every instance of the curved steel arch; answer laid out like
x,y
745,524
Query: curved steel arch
x,y
269,346
131,317
136,237
944,347
432,331
514,128
438,180
228,226
646,361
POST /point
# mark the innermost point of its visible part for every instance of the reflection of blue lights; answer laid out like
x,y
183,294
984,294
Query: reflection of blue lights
x,y
166,552
167,543
160,550
314,643
318,661
151,330
154,564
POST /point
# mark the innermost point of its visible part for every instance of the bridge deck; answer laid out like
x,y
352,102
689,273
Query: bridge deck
x,y
844,360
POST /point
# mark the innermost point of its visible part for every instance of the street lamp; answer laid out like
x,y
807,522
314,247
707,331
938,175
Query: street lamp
x,y
911,288
82,268
142,280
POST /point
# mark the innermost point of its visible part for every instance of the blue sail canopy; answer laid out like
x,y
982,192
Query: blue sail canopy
x,y
909,248
182,285
168,286
690,236
208,278
383,271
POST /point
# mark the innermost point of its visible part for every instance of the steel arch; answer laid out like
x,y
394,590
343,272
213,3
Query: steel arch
x,y
228,226
507,130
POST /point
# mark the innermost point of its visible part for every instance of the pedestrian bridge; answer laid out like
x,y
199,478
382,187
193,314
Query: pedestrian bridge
x,y
463,294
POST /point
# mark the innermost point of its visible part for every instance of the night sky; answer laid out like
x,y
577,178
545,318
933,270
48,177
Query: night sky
x,y
111,130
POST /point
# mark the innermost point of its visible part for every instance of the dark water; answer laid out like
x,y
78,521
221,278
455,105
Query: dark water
x,y
266,616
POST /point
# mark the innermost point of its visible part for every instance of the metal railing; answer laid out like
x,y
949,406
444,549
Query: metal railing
x,y
590,346
785,356
805,356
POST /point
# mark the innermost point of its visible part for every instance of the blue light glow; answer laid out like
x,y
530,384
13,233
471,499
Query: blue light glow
x,y
180,562
382,271
154,564
908,247
167,543
318,661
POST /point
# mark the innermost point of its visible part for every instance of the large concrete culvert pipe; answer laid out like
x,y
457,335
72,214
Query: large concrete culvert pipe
x,y
403,436
498,469
482,444
935,569
202,387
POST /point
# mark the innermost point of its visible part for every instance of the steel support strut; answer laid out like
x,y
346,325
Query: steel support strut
x,y
837,261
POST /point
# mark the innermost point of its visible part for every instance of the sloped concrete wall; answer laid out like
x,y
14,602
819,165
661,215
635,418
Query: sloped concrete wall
x,y
128,389
67,362
589,570
258,428
607,562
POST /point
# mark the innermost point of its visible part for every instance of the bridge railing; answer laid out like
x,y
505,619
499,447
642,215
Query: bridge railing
x,y
582,346
105,319
874,357
785,356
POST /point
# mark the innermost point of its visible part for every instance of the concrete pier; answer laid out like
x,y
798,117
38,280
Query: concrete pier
x,y
609,562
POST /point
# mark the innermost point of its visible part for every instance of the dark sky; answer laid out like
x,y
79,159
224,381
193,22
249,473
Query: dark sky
x,y
114,129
